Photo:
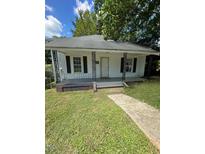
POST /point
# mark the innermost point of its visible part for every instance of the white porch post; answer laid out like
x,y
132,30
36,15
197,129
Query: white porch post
x,y
94,65
53,64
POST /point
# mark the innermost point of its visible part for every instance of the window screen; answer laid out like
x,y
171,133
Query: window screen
x,y
77,64
128,65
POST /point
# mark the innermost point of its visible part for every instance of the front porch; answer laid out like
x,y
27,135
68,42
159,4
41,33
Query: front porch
x,y
89,83
90,61
87,80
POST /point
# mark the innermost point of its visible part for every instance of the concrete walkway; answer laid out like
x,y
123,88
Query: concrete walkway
x,y
145,116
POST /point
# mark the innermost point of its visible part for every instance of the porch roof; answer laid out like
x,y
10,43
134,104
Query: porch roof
x,y
97,43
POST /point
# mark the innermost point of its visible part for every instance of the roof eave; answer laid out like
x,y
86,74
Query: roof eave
x,y
66,49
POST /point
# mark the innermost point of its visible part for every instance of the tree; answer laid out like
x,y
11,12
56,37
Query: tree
x,y
130,20
48,57
98,4
85,24
135,21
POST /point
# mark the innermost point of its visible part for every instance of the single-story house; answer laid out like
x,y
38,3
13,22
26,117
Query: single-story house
x,y
91,58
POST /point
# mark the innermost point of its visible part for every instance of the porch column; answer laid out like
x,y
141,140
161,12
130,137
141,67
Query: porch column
x,y
54,55
94,66
124,66
53,64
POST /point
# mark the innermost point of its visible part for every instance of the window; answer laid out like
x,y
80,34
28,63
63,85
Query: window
x,y
77,64
128,65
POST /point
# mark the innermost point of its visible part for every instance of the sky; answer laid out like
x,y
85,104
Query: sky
x,y
59,15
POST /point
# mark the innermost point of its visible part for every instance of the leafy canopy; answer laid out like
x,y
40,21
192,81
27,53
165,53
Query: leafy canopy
x,y
129,20
85,24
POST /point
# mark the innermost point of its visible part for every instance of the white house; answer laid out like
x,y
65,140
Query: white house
x,y
93,58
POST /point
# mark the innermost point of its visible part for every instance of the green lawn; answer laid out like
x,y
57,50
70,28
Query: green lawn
x,y
87,122
148,92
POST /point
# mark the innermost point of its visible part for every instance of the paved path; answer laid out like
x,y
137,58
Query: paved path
x,y
145,116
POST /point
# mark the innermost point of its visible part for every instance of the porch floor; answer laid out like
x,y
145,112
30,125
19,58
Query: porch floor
x,y
90,80
87,83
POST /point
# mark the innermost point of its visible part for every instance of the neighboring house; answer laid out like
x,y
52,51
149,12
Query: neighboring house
x,y
93,58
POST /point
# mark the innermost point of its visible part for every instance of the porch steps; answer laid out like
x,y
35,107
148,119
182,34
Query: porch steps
x,y
109,84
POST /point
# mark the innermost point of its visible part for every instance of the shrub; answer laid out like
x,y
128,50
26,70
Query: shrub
x,y
49,78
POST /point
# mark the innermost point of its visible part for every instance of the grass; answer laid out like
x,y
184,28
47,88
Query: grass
x,y
148,92
87,122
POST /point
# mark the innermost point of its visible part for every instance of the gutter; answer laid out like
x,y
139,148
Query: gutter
x,y
66,49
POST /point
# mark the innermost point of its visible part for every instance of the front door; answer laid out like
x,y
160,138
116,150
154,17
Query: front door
x,y
104,67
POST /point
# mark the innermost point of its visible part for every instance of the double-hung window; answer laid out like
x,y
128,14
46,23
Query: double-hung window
x,y
77,64
128,65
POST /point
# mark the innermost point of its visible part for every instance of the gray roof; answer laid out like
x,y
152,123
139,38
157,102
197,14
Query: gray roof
x,y
96,42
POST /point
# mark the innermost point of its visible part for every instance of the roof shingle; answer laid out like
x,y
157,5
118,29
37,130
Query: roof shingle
x,y
96,42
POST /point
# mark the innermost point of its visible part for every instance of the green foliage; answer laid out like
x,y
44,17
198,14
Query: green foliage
x,y
156,64
130,20
152,66
49,78
87,122
98,4
48,57
85,24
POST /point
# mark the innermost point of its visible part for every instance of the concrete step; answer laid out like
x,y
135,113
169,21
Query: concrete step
x,y
109,84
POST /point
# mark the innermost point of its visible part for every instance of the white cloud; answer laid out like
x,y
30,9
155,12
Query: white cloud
x,y
53,27
48,8
83,6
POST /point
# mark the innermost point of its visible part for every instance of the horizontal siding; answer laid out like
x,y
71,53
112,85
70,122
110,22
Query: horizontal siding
x,y
114,65
74,75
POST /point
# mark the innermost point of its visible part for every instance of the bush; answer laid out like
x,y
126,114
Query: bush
x,y
49,78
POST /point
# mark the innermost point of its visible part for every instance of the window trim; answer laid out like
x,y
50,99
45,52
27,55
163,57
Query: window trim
x,y
79,65
131,59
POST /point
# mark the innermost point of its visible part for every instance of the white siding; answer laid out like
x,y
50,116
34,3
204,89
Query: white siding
x,y
114,65
141,60
73,75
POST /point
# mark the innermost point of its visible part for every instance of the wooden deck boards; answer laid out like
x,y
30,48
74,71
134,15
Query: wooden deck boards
x,y
83,84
